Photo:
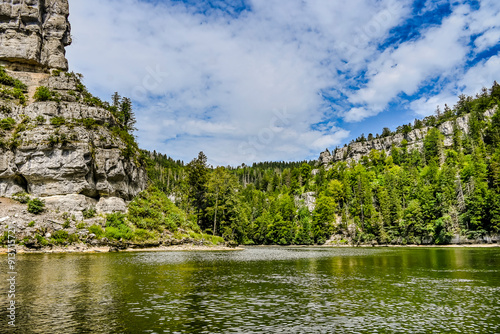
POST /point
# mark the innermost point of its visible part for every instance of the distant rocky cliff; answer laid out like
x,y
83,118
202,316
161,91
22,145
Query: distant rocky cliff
x,y
355,151
63,149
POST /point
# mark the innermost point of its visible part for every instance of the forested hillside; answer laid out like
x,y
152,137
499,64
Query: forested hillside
x,y
418,196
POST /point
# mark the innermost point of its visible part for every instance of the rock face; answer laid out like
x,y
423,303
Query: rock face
x,y
65,151
79,155
415,138
33,34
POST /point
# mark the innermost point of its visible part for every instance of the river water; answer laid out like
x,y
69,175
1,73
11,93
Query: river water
x,y
258,290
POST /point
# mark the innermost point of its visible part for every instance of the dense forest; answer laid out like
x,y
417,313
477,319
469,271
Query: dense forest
x,y
418,196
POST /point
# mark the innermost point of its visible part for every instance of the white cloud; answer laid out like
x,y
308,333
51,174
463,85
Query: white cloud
x,y
405,68
253,87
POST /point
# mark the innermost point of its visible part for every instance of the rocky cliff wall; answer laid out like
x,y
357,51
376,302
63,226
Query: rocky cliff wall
x,y
415,138
33,34
66,152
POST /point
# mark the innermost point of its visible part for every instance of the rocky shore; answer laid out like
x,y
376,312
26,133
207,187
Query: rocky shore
x,y
84,248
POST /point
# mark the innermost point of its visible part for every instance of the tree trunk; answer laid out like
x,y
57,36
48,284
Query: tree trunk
x,y
215,215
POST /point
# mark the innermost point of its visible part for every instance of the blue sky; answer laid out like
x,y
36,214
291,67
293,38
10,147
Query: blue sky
x,y
262,80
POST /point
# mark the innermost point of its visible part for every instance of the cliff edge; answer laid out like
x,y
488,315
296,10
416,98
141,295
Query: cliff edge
x,y
57,141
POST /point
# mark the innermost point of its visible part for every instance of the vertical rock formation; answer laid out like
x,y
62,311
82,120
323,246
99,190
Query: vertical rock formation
x,y
68,148
33,34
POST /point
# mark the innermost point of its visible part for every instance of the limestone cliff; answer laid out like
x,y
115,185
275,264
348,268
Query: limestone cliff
x,y
33,34
64,149
355,151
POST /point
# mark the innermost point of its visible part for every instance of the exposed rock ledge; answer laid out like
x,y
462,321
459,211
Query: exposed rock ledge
x,y
355,151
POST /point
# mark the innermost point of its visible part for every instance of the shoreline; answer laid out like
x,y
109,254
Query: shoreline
x,y
82,249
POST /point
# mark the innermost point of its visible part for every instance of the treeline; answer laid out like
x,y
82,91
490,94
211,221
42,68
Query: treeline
x,y
402,196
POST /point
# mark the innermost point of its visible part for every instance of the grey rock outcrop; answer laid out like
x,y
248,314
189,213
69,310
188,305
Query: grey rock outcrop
x,y
415,138
70,163
307,200
33,34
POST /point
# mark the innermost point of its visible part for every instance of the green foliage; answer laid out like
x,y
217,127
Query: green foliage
x,y
13,94
60,237
89,213
97,230
43,94
21,197
15,88
152,210
117,227
81,225
40,120
36,206
57,121
7,80
7,124
31,223
89,123
41,240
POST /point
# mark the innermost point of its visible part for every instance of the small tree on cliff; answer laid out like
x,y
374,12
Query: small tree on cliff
x,y
122,109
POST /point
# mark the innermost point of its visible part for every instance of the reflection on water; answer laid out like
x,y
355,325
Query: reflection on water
x,y
260,290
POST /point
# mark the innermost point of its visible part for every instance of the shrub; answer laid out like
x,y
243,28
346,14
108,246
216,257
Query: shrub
x,y
97,230
43,94
80,226
73,238
66,224
7,80
53,140
7,124
31,224
64,139
57,121
116,227
60,237
143,235
152,209
89,213
36,206
41,240
89,123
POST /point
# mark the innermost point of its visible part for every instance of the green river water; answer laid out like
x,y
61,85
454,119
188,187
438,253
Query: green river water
x,y
258,290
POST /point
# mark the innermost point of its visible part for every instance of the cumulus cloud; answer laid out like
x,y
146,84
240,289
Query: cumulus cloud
x,y
257,84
